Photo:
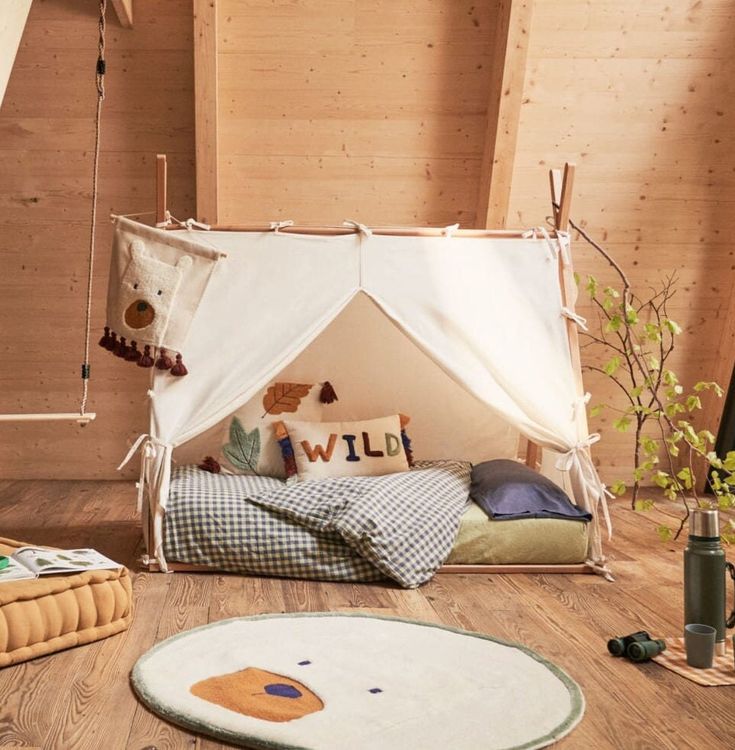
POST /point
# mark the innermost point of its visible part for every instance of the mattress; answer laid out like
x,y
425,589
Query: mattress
x,y
526,541
51,613
210,522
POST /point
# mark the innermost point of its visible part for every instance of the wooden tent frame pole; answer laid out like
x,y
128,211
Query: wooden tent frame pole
x,y
162,215
561,220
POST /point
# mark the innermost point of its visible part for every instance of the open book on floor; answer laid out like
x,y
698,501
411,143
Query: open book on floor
x,y
31,562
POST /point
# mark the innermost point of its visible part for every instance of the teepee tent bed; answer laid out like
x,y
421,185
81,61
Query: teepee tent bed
x,y
493,310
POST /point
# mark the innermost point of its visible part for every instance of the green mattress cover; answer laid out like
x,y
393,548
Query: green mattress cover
x,y
526,541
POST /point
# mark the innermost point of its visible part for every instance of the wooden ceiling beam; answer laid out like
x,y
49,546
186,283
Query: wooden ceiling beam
x,y
503,110
124,11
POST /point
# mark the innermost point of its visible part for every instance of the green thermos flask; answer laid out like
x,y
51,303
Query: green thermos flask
x,y
705,573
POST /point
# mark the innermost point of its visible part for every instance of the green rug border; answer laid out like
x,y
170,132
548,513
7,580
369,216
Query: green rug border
x,y
203,727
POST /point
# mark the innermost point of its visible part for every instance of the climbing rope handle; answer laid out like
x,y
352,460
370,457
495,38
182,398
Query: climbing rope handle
x,y
100,71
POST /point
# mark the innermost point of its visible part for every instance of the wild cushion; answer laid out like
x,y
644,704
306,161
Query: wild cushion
x,y
369,447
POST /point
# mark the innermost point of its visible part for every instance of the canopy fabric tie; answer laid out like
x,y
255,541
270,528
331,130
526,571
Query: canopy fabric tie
x,y
148,452
168,220
578,319
529,234
565,243
550,244
276,226
192,224
600,567
579,403
450,230
365,231
578,461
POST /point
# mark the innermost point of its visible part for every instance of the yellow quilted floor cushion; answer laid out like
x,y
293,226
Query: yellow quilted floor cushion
x,y
51,613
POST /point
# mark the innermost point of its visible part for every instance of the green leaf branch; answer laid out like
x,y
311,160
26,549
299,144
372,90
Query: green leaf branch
x,y
631,343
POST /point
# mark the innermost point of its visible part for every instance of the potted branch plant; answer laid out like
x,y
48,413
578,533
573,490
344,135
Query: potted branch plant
x,y
633,340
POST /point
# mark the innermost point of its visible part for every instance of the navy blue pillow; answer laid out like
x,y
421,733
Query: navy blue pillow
x,y
507,490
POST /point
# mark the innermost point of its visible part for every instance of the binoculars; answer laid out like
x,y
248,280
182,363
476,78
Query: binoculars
x,y
636,646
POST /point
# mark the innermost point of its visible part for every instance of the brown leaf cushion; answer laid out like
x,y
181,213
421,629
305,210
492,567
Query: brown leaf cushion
x,y
51,613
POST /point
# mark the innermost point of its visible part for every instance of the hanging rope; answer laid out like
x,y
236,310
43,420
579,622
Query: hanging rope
x,y
100,84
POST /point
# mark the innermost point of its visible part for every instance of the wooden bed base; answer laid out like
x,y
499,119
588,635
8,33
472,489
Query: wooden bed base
x,y
578,568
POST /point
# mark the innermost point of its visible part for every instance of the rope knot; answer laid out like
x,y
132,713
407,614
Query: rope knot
x,y
573,316
276,226
365,231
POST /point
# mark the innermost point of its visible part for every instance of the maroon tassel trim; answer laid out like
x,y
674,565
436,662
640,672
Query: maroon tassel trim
x,y
105,340
146,360
133,355
112,343
211,465
327,395
179,369
122,348
164,362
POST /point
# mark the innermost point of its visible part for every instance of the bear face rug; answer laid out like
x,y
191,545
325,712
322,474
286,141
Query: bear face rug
x,y
332,681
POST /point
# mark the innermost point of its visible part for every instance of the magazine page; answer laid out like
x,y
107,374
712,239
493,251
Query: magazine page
x,y
47,561
15,572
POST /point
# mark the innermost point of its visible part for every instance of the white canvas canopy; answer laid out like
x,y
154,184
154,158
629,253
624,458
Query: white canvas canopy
x,y
487,310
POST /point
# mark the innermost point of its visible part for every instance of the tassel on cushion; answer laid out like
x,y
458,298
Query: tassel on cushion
x,y
133,355
211,465
179,369
105,340
146,360
327,394
112,343
164,362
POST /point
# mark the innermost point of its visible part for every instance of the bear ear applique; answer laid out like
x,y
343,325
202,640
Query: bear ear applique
x,y
137,249
184,263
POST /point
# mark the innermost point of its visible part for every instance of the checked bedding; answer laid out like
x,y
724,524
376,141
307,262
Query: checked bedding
x,y
399,526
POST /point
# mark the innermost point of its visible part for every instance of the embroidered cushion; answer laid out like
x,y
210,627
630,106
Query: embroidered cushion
x,y
250,445
336,449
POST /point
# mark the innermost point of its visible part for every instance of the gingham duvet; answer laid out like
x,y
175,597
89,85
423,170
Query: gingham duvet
x,y
400,526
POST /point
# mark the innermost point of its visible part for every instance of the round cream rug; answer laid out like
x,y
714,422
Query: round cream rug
x,y
355,682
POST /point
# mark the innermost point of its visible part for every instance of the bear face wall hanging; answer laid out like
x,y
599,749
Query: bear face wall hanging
x,y
157,279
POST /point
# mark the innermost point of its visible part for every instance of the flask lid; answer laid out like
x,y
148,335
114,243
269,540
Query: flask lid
x,y
705,522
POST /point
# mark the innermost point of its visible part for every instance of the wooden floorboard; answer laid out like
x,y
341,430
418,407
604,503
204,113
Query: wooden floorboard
x,y
81,699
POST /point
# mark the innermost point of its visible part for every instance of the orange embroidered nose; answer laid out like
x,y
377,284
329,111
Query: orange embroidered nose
x,y
260,694
139,314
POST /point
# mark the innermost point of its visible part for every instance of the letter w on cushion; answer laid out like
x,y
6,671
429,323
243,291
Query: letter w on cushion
x,y
318,451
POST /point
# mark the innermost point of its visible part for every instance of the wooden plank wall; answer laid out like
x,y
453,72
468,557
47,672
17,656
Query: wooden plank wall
x,y
333,109
46,137
368,109
640,96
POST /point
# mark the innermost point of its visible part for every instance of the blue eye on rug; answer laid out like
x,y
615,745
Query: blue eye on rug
x,y
304,663
282,690
375,690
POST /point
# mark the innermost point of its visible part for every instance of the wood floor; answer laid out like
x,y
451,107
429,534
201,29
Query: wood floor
x,y
81,699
